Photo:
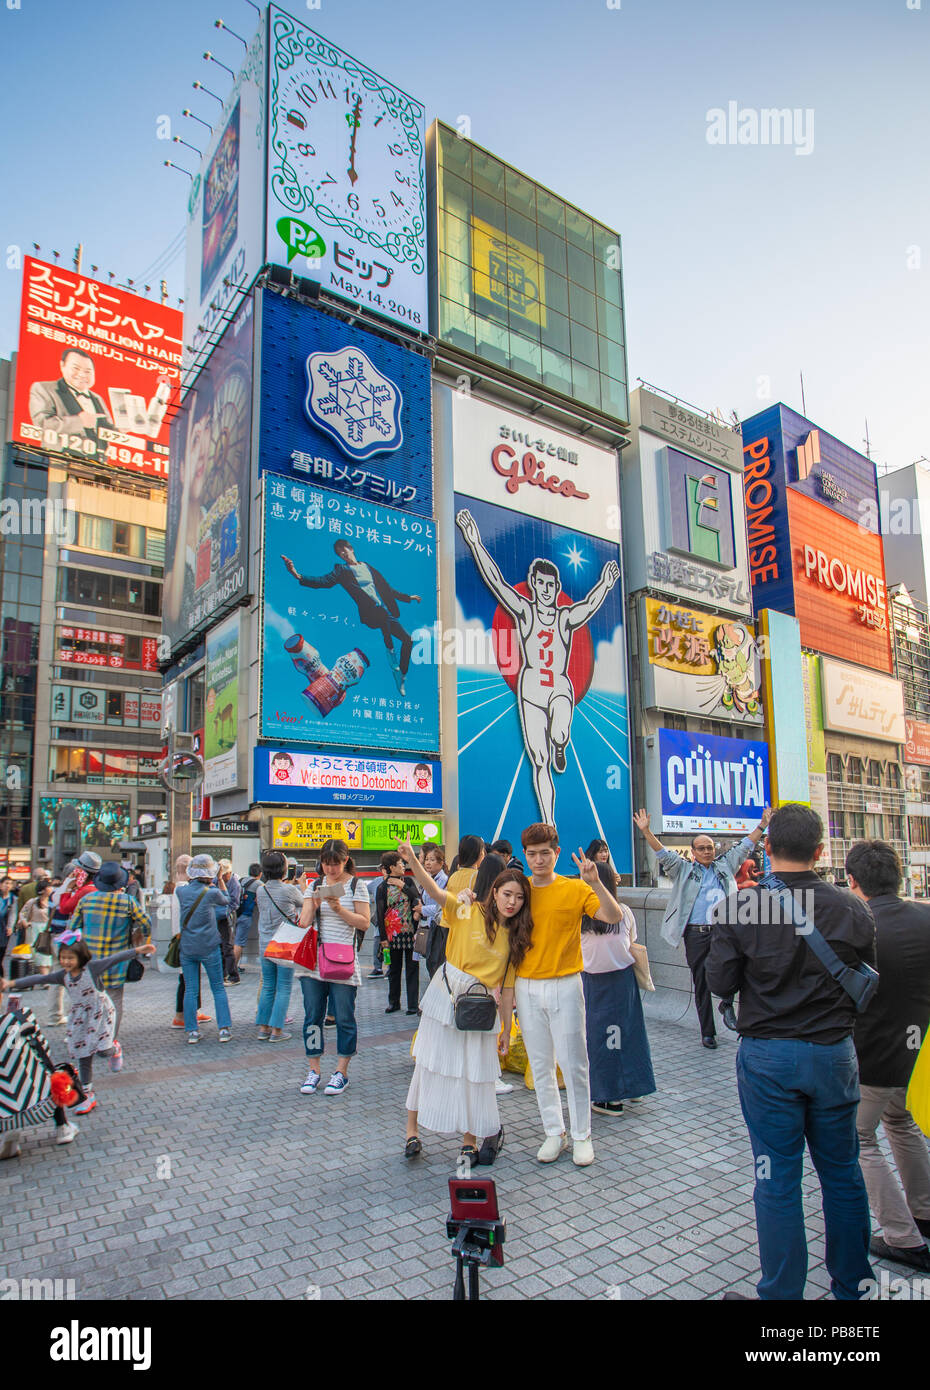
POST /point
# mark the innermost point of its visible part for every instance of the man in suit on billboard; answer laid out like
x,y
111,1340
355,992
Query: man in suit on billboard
x,y
70,405
545,697
375,599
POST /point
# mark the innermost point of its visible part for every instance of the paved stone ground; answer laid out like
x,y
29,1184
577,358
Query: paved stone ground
x,y
204,1173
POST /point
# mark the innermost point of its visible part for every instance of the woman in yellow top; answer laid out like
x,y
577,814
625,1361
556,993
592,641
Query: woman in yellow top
x,y
453,1086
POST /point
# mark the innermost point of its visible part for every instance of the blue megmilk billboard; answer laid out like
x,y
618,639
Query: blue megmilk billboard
x,y
712,783
343,408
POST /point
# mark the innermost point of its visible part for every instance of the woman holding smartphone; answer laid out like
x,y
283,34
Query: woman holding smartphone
x,y
339,903
453,1086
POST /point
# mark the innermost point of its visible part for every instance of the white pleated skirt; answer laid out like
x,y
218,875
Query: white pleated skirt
x,y
453,1083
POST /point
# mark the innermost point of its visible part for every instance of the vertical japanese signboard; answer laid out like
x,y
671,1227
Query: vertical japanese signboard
x,y
221,721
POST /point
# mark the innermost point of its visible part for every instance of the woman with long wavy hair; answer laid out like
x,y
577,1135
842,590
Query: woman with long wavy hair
x,y
453,1086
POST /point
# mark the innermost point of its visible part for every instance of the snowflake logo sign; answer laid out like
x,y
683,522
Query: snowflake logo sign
x,y
355,403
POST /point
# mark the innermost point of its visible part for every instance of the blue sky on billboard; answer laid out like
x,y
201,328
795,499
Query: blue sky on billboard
x,y
807,263
701,509
343,408
527,722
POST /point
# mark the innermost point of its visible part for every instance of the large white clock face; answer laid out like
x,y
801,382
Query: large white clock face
x,y
349,150
346,193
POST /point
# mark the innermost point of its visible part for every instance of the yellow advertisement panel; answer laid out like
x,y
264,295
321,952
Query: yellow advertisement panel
x,y
712,660
508,272
301,832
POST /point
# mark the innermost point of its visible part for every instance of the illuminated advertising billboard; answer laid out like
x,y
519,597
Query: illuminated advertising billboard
x,y
783,676
346,195
344,409
814,545
207,541
839,585
683,503
293,776
104,821
221,722
98,369
225,210
712,783
699,663
917,742
541,655
348,606
862,702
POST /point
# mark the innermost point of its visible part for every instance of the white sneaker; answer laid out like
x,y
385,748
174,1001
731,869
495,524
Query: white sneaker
x,y
225,1035
66,1134
311,1084
193,1037
502,1087
582,1152
554,1145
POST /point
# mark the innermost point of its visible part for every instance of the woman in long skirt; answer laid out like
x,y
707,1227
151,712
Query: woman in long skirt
x,y
619,1059
453,1086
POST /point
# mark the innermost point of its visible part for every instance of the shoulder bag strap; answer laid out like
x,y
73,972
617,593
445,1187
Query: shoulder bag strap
x,y
193,907
812,936
294,921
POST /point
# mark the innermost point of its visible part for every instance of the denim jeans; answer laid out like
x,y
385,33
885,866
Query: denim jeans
x,y
342,1002
213,965
791,1091
277,982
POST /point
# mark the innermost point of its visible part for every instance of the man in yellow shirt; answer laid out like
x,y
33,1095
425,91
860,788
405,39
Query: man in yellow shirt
x,y
548,990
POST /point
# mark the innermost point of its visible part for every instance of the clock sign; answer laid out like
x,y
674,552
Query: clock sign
x,y
346,176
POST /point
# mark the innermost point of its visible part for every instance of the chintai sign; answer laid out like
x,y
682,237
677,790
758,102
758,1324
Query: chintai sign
x,y
711,783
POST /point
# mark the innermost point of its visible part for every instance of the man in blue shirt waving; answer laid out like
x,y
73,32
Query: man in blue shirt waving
x,y
697,886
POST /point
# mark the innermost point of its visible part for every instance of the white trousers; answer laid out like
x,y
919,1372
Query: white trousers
x,y
552,1021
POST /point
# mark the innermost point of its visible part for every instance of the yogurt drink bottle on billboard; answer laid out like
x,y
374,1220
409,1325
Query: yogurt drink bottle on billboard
x,y
304,656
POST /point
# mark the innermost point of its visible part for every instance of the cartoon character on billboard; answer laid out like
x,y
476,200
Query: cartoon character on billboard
x,y
375,598
545,628
282,768
733,651
423,776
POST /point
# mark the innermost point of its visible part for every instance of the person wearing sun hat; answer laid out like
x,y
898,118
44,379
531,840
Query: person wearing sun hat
x,y
201,944
110,920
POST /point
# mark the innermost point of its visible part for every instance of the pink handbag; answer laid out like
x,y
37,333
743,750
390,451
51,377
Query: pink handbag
x,y
335,962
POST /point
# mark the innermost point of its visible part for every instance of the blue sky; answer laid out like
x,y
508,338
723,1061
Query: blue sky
x,y
743,264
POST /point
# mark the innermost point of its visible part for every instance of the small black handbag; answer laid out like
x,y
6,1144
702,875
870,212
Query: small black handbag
x,y
475,1009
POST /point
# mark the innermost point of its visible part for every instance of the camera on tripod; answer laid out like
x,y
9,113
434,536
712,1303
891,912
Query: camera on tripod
x,y
476,1230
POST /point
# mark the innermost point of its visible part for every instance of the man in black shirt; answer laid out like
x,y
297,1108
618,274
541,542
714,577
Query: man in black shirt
x,y
796,1065
888,1038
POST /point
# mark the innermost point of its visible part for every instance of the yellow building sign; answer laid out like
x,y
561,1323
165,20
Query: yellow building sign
x,y
693,644
300,832
508,272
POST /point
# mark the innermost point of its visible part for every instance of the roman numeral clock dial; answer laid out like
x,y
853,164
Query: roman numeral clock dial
x,y
346,176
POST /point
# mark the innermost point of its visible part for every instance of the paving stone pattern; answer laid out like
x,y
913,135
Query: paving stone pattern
x,y
203,1173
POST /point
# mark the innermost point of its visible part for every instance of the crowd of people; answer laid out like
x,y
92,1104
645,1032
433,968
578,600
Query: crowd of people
x,y
518,955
